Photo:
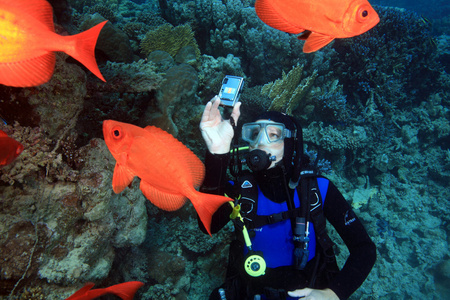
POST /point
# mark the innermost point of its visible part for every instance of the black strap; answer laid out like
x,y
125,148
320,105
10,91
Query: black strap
x,y
318,217
259,221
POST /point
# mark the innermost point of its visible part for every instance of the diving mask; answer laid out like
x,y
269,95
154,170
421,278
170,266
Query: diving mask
x,y
265,132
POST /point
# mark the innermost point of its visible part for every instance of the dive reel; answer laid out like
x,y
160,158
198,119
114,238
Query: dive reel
x,y
254,264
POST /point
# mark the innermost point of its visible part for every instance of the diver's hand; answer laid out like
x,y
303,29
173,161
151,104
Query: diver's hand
x,y
216,132
311,294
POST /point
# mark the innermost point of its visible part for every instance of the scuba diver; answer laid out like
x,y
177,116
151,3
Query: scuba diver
x,y
281,249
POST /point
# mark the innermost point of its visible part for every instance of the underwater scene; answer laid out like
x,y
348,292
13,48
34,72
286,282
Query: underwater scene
x,y
374,107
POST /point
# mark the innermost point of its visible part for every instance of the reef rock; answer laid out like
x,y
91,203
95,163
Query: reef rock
x,y
67,232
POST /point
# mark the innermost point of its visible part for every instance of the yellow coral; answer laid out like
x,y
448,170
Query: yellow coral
x,y
170,39
288,91
300,93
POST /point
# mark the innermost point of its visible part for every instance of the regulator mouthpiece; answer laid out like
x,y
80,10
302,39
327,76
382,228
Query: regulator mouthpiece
x,y
259,160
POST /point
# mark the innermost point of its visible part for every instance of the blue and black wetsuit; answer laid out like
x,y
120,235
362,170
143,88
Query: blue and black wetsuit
x,y
275,241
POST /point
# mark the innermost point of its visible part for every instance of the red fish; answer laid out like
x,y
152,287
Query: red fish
x,y
28,42
9,149
169,171
321,21
125,291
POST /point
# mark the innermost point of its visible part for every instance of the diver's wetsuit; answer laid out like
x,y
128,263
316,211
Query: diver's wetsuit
x,y
336,210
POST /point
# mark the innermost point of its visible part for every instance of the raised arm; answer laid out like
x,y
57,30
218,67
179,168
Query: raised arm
x,y
217,132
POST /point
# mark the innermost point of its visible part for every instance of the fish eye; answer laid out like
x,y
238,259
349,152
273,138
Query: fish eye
x,y
363,13
117,132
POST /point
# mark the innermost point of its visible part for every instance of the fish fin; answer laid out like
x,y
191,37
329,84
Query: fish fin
x,y
162,199
125,290
305,35
315,41
82,291
122,178
268,14
84,50
38,9
195,165
32,72
206,205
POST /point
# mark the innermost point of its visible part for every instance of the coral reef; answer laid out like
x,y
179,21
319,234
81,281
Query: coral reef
x,y
39,158
402,38
75,226
50,102
289,91
112,41
180,84
232,27
295,94
376,106
180,261
136,77
103,10
213,70
332,139
170,39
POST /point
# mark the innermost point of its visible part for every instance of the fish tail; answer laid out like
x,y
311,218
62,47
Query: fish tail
x,y
206,205
84,50
125,290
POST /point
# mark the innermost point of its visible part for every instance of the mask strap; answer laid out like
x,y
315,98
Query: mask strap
x,y
298,150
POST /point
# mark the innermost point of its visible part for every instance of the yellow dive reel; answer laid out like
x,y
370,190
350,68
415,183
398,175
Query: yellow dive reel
x,y
254,264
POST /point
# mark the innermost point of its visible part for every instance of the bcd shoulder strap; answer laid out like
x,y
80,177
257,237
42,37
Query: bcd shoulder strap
x,y
316,213
247,190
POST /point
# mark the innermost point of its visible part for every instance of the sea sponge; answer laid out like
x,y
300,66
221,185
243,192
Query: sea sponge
x,y
170,39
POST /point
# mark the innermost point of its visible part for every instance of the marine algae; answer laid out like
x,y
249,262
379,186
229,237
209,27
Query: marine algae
x,y
170,39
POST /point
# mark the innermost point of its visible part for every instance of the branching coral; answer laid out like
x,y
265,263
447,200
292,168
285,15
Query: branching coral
x,y
170,39
289,91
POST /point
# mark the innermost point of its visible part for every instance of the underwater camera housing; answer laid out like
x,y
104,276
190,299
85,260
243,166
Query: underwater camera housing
x,y
230,90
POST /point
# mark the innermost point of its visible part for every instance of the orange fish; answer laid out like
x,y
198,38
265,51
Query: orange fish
x,y
168,170
9,149
28,42
321,21
125,291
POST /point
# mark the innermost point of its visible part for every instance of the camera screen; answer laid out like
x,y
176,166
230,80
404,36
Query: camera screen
x,y
229,93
